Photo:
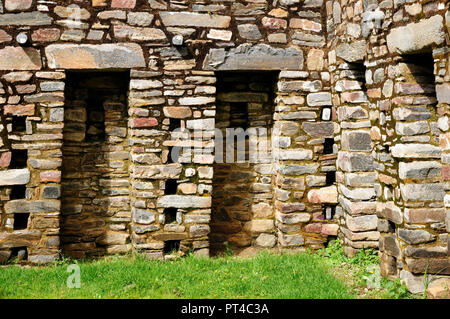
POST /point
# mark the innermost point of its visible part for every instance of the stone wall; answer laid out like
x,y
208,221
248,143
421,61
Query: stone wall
x,y
394,121
359,147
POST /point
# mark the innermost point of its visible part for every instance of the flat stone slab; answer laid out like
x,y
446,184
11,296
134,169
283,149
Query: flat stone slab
x,y
415,37
18,58
14,177
180,201
254,57
91,56
190,19
25,18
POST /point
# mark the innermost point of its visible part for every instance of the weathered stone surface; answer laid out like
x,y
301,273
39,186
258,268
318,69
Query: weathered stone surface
x,y
266,240
443,93
14,177
20,238
318,129
17,5
415,37
362,223
415,237
90,56
422,192
439,266
352,162
180,201
18,58
157,171
356,140
419,169
439,289
34,18
416,151
187,19
254,57
139,33
249,31
36,206
352,52
323,195
318,99
389,211
425,215
142,216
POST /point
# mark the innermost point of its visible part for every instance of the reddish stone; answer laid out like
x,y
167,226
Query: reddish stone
x,y
26,88
123,4
313,228
5,159
446,172
374,93
4,37
305,25
144,122
46,35
50,176
20,110
98,3
330,229
273,23
354,97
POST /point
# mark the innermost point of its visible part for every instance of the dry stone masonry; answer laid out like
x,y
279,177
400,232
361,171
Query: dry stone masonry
x,y
115,116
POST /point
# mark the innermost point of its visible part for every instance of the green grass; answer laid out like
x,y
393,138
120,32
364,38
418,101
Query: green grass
x,y
265,276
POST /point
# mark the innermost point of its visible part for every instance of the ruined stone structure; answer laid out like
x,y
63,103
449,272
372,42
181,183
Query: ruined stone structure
x,y
96,95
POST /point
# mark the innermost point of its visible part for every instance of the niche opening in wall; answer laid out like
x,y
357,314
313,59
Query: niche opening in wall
x,y
170,215
170,187
19,253
328,146
18,159
359,74
18,124
17,192
171,246
21,221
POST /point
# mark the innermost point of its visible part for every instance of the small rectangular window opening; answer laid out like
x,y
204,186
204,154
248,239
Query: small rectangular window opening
x,y
21,221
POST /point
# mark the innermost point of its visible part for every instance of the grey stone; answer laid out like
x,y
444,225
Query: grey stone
x,y
254,57
362,223
356,141
415,37
14,177
142,216
249,31
292,169
318,99
415,237
179,201
51,192
419,169
318,129
36,206
352,162
422,192
352,52
34,18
